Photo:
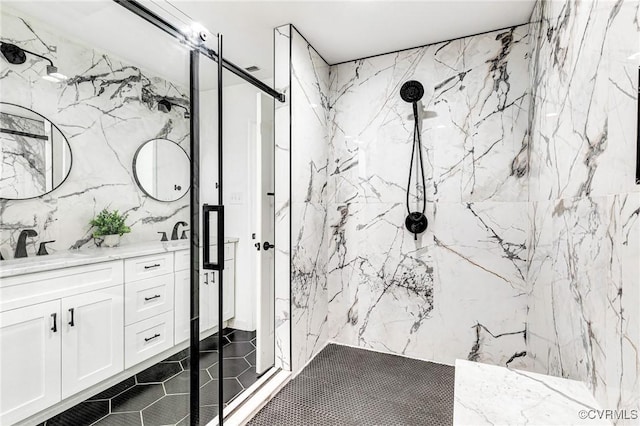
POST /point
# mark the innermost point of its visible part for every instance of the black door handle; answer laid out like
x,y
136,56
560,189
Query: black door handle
x,y
257,246
55,326
267,246
71,323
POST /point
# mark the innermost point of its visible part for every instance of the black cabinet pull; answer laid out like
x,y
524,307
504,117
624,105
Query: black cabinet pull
x,y
55,326
146,339
71,323
151,298
157,265
206,278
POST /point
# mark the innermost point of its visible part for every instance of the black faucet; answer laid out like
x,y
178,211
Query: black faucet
x,y
21,247
174,234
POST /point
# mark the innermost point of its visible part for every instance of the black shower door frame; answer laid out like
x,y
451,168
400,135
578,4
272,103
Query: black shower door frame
x,y
198,48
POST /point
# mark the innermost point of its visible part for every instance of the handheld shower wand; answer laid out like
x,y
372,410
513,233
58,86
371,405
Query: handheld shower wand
x,y
416,222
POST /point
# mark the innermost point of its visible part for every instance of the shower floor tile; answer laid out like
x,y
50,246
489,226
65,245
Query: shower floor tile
x,y
350,386
159,395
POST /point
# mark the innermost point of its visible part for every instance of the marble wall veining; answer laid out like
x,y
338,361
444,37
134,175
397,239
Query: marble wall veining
x,y
584,253
310,164
433,298
304,78
531,256
106,109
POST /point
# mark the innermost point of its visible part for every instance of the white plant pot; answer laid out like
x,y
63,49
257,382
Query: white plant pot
x,y
110,240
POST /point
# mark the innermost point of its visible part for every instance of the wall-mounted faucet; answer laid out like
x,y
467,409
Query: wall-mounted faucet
x,y
21,247
174,234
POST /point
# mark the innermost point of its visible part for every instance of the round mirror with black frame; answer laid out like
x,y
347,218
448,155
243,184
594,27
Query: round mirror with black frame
x,y
161,170
36,156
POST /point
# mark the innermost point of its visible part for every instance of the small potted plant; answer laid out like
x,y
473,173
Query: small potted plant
x,y
109,227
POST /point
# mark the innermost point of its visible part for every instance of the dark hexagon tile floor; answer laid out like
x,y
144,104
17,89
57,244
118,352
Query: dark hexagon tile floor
x,y
159,395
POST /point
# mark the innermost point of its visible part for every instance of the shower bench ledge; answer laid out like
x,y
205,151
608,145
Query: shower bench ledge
x,y
492,395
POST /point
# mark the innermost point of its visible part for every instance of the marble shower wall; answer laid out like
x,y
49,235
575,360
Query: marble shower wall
x,y
584,247
302,156
460,290
309,192
106,109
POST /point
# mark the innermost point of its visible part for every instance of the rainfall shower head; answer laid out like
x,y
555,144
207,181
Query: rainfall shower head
x,y
411,91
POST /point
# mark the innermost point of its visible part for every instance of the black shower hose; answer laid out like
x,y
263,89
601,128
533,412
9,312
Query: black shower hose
x,y
417,141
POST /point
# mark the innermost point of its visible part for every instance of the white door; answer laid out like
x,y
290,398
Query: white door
x,y
92,338
29,360
265,326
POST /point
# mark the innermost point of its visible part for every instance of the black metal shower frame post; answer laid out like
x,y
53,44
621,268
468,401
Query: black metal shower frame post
x,y
220,244
197,48
194,233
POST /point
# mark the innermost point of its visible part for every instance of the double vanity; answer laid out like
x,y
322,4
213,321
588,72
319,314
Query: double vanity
x,y
72,324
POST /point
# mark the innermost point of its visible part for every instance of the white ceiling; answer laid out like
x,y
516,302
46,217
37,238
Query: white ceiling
x,y
339,30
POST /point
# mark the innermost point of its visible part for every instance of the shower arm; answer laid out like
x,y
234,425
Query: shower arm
x,y
39,56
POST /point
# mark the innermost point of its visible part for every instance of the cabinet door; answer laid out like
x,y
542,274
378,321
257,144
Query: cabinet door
x,y
229,290
92,338
29,360
208,301
182,306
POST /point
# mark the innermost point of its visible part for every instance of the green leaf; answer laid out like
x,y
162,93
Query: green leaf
x,y
109,223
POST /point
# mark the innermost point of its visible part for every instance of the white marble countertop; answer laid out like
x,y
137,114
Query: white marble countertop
x,y
66,259
491,395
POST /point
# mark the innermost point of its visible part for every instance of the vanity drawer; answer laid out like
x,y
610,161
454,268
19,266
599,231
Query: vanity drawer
x,y
140,268
182,260
147,338
147,298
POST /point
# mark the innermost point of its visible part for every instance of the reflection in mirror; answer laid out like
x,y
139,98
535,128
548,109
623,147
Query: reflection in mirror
x,y
36,157
161,169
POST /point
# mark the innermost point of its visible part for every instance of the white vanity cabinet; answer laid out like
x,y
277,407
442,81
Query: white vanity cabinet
x,y
44,356
30,360
93,319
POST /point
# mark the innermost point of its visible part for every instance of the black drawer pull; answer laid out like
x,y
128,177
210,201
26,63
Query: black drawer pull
x,y
55,326
157,265
146,339
71,323
146,299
